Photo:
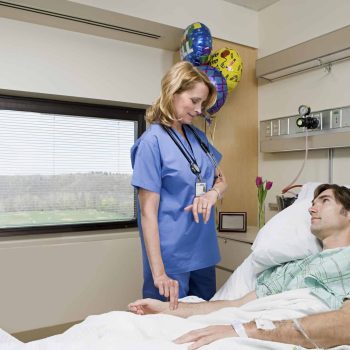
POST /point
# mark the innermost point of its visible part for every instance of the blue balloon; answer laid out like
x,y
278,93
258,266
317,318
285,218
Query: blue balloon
x,y
196,44
218,80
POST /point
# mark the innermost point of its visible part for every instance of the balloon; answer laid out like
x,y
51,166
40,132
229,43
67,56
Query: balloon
x,y
219,82
196,44
229,63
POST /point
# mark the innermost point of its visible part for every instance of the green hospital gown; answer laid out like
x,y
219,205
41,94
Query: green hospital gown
x,y
326,273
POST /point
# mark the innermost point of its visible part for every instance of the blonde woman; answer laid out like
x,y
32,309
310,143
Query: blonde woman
x,y
178,182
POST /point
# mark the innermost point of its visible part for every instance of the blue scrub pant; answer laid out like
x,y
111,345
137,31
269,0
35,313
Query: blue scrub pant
x,y
201,283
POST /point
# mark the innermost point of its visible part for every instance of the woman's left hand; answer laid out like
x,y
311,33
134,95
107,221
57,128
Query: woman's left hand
x,y
202,205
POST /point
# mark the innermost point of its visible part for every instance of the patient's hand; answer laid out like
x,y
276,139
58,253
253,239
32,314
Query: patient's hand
x,y
148,306
205,336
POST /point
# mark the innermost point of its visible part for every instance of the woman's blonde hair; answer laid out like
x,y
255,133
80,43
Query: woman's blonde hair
x,y
181,77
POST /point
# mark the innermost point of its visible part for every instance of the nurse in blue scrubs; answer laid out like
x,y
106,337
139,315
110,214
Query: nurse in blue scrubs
x,y
178,182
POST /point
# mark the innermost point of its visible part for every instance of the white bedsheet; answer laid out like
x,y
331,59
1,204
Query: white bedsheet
x,y
124,330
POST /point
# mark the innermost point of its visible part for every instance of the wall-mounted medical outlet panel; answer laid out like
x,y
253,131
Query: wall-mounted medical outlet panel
x,y
283,134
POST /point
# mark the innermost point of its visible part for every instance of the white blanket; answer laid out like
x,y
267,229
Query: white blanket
x,y
124,330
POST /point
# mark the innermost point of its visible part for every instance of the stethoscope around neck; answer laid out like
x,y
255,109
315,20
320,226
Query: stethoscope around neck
x,y
191,160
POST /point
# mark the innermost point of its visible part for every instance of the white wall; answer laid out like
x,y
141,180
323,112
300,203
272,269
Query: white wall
x,y
290,22
226,21
57,279
41,59
287,23
318,89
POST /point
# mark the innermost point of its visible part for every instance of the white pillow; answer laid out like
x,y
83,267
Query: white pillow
x,y
241,282
287,235
307,191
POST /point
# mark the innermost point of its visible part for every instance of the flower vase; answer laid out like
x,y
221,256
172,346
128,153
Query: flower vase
x,y
261,215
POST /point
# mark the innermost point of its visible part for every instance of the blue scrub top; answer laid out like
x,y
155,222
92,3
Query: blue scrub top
x,y
159,166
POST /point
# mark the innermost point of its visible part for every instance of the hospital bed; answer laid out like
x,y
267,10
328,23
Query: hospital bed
x,y
285,237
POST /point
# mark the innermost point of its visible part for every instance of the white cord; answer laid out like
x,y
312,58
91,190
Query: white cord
x,y
300,329
303,165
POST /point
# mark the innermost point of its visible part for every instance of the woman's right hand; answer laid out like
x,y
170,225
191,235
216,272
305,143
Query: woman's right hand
x,y
169,288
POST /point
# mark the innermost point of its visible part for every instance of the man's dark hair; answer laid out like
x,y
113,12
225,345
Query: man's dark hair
x,y
341,194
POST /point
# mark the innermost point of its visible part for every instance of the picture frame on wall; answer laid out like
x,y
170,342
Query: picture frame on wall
x,y
233,221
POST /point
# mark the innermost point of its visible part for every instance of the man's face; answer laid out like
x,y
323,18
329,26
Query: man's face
x,y
327,216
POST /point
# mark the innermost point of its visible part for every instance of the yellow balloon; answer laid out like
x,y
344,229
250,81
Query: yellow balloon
x,y
230,64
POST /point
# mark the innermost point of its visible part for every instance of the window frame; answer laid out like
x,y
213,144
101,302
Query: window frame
x,y
83,109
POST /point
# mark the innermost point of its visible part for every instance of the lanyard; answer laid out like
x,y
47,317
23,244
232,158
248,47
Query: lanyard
x,y
191,160
204,147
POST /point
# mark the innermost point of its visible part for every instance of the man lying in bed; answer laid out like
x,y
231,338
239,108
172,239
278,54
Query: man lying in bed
x,y
326,273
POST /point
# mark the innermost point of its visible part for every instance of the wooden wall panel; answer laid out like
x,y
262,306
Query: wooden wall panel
x,y
236,136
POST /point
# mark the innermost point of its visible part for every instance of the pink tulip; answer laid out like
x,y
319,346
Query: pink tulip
x,y
258,181
268,185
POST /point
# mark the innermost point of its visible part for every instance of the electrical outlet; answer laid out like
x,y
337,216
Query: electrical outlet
x,y
267,125
326,120
275,127
346,117
284,126
336,118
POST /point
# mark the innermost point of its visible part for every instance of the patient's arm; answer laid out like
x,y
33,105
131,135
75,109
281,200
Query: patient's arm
x,y
152,306
327,329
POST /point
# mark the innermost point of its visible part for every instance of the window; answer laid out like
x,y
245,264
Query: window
x,y
66,166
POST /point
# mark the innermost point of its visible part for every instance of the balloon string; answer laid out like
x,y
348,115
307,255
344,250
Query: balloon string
x,y
211,129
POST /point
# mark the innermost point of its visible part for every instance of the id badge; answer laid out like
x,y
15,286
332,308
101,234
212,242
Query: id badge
x,y
201,188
